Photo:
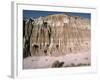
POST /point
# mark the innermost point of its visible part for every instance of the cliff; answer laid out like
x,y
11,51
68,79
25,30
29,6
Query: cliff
x,y
56,35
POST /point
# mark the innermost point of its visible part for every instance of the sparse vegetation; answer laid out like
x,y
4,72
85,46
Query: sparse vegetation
x,y
57,64
80,64
72,64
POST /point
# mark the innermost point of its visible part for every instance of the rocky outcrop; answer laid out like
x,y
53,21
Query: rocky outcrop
x,y
27,31
56,35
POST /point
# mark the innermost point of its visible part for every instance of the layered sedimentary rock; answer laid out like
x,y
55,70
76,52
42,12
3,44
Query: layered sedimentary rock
x,y
56,35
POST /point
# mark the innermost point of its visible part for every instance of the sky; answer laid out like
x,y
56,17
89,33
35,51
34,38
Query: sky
x,y
36,14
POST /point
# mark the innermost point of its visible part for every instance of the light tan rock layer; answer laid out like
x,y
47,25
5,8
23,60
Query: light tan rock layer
x,y
60,34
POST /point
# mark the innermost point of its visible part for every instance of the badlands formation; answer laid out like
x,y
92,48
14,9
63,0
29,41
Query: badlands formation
x,y
58,40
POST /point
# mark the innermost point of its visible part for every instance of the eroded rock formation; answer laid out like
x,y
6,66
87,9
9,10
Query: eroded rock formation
x,y
56,35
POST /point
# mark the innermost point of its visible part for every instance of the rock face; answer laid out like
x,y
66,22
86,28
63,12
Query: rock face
x,y
56,35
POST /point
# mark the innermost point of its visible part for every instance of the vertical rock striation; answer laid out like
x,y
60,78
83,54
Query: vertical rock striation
x,y
56,35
